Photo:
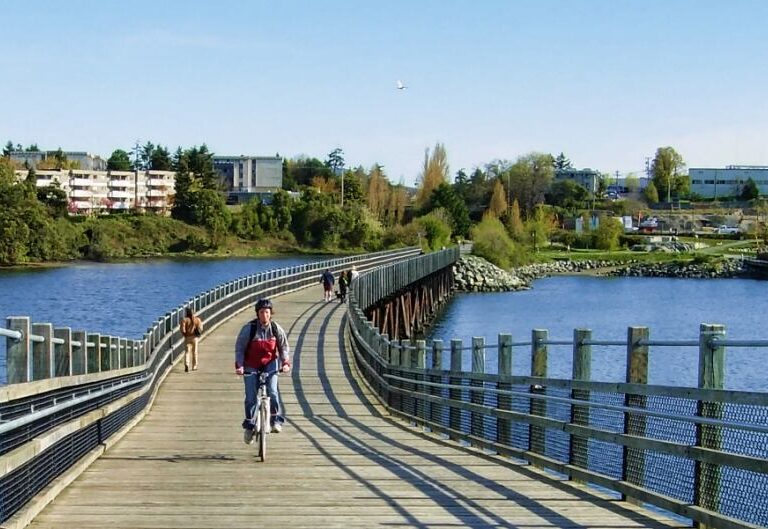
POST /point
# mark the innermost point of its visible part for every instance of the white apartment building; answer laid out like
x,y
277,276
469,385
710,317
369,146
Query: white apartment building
x,y
727,182
99,192
248,176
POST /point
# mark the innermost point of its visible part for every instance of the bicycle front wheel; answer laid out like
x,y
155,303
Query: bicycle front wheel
x,y
265,427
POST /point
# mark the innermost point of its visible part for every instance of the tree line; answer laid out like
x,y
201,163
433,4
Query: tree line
x,y
508,208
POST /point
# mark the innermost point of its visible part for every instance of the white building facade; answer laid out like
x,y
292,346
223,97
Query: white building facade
x,y
727,182
99,192
248,176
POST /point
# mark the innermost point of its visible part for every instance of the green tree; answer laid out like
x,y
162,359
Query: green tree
x,y
435,228
8,149
651,193
632,182
540,226
750,190
667,169
335,161
608,234
353,187
54,198
119,161
444,197
561,162
160,159
530,177
567,194
491,242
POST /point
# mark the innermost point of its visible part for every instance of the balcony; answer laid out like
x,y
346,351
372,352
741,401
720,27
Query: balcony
x,y
119,194
81,193
158,182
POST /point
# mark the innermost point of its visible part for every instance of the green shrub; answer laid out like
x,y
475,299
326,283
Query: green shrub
x,y
492,242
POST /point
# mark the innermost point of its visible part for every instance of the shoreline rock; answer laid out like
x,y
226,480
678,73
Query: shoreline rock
x,y
475,274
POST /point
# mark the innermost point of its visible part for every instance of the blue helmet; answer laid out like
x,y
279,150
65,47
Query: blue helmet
x,y
263,304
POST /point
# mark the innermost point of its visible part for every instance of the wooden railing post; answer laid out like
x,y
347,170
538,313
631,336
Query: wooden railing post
x,y
582,370
423,407
105,353
93,364
503,425
537,437
437,364
633,459
18,352
454,415
707,476
79,353
42,352
62,353
477,397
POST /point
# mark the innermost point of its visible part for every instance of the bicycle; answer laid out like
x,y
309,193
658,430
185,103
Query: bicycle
x,y
261,412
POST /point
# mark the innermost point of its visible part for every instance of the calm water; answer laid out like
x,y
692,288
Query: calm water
x,y
121,299
671,308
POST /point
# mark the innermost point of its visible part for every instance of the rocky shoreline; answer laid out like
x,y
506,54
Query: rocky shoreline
x,y
475,274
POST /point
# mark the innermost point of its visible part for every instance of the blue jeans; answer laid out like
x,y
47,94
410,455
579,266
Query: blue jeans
x,y
252,391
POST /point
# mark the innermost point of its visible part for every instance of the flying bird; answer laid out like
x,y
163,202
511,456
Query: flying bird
x,y
400,85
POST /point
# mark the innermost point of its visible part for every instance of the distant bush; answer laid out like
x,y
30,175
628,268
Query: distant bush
x,y
492,242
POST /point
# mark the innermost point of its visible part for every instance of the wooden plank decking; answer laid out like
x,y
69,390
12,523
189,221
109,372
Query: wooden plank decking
x,y
337,463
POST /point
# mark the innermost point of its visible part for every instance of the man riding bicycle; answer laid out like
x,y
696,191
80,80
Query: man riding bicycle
x,y
261,346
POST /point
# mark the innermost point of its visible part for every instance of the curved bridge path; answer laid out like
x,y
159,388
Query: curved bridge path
x,y
339,462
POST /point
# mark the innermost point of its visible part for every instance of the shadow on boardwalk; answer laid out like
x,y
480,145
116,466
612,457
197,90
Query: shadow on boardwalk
x,y
340,462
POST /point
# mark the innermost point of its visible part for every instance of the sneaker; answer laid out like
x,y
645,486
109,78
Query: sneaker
x,y
277,427
186,369
248,436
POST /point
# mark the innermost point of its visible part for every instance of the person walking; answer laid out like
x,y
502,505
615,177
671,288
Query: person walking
x,y
343,283
327,280
191,327
262,346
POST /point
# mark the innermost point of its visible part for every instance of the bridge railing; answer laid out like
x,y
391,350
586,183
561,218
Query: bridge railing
x,y
700,452
70,392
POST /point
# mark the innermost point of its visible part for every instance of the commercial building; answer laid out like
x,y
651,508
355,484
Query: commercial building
x,y
727,182
246,177
587,178
98,192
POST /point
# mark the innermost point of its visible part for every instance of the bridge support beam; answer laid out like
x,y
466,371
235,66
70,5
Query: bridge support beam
x,y
406,313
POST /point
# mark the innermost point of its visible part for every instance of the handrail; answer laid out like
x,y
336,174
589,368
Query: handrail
x,y
74,390
636,439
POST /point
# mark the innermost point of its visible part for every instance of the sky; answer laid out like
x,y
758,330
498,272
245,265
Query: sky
x,y
606,82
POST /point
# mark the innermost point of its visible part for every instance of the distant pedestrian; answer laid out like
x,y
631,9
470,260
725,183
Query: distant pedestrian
x,y
191,327
327,280
353,275
343,283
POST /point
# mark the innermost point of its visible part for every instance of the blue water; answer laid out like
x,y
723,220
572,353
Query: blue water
x,y
119,299
673,309
123,299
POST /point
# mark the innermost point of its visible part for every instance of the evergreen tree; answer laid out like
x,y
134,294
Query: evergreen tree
x,y
561,162
750,191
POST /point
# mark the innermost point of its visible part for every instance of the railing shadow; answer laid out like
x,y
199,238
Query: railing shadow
x,y
350,432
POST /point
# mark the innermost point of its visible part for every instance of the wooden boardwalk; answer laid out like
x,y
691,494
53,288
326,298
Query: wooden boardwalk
x,y
339,462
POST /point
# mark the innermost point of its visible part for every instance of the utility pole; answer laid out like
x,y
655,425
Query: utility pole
x,y
136,148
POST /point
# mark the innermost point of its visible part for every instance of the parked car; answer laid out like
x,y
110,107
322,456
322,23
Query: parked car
x,y
727,230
